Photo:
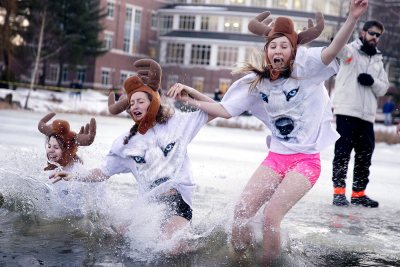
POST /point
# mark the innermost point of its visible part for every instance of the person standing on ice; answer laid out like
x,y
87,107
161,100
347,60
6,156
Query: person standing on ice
x,y
360,81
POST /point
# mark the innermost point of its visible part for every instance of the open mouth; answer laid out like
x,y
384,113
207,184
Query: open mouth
x,y
52,158
137,113
279,61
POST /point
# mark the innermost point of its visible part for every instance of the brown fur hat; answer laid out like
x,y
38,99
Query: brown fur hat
x,y
148,80
260,25
70,140
285,26
134,84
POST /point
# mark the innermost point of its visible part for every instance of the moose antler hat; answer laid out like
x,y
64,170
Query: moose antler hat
x,y
70,140
147,80
261,25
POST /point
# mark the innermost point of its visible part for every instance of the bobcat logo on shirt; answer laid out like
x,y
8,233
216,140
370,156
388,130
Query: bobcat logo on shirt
x,y
157,160
285,105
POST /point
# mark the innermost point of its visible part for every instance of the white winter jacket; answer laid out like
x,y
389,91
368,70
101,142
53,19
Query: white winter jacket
x,y
351,98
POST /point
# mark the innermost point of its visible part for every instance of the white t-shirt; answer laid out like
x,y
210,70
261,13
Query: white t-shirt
x,y
74,197
158,155
297,110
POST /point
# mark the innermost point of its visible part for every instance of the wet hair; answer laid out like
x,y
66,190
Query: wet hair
x,y
371,23
164,113
258,64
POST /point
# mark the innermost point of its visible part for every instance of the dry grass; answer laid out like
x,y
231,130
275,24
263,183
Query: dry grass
x,y
390,138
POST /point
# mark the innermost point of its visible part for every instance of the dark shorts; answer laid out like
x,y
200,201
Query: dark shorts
x,y
176,205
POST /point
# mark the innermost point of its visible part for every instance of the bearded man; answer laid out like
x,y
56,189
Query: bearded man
x,y
360,81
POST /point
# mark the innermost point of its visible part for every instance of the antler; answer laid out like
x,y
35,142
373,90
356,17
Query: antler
x,y
42,125
312,32
86,135
260,24
119,106
149,71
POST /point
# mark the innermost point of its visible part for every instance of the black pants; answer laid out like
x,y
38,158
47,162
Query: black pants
x,y
355,134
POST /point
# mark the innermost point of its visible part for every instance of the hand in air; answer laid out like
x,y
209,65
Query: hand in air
x,y
179,92
358,7
58,176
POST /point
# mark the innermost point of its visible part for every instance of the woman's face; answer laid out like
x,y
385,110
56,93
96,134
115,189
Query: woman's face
x,y
279,52
139,104
53,150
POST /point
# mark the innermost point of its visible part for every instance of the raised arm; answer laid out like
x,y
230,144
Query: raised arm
x,y
357,8
194,98
94,175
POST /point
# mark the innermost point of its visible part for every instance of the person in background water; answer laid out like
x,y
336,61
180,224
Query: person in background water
x,y
360,81
61,152
284,90
154,150
387,110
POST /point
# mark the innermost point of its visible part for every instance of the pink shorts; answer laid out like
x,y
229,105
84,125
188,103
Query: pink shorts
x,y
308,165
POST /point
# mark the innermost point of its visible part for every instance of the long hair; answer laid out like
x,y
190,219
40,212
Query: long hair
x,y
259,64
165,112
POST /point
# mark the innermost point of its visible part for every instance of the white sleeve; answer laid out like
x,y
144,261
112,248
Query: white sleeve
x,y
314,69
238,98
114,164
191,122
344,54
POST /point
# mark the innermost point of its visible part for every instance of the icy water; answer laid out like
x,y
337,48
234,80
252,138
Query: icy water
x,y
34,231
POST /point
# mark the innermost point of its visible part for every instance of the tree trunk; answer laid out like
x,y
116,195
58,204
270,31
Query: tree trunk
x,y
35,69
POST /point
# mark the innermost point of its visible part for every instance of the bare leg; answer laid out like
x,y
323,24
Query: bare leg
x,y
258,190
170,227
287,194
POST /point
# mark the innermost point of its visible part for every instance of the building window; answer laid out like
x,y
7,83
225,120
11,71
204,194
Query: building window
x,y
300,5
64,74
318,5
172,79
232,24
152,52
186,22
108,40
136,31
53,73
282,3
110,10
126,46
209,23
132,30
175,53
259,3
81,74
224,85
166,23
124,75
198,83
334,7
237,2
105,77
227,56
154,21
217,2
200,55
